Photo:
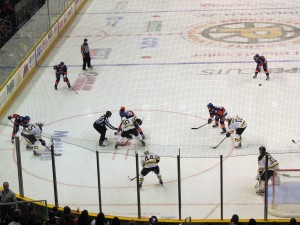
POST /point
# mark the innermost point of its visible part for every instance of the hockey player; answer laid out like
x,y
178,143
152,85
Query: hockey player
x,y
149,163
219,113
130,114
261,61
128,128
238,125
61,70
100,126
19,121
273,165
33,135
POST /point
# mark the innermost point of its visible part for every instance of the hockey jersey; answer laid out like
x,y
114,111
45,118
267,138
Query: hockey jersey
x,y
149,160
235,123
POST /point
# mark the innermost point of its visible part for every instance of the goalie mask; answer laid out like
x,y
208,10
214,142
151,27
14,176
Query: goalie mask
x,y
262,150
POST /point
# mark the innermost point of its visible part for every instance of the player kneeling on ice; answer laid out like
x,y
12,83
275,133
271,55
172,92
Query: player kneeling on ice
x,y
238,125
128,128
219,113
273,165
33,135
149,163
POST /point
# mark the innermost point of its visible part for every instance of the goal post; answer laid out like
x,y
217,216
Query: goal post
x,y
284,193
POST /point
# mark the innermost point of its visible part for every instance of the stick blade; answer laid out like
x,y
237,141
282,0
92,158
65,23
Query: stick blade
x,y
293,141
194,128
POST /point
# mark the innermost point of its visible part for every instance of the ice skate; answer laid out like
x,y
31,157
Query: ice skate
x,y
161,182
12,140
255,76
223,131
117,144
101,144
143,136
140,185
239,145
267,77
143,142
35,153
215,125
29,147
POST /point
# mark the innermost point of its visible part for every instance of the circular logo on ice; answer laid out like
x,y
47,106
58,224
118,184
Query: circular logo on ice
x,y
245,33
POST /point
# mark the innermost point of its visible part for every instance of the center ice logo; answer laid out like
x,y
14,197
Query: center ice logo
x,y
244,33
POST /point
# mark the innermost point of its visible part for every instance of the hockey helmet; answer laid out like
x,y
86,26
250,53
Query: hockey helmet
x,y
256,56
85,40
108,114
146,152
210,105
26,119
122,108
262,150
153,220
40,123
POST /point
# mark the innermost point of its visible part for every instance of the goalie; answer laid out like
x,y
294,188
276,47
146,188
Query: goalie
x,y
149,163
273,165
33,135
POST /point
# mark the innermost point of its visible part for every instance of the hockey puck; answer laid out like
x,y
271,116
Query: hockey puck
x,y
259,85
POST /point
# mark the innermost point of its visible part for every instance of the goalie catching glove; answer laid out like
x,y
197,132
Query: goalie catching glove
x,y
139,122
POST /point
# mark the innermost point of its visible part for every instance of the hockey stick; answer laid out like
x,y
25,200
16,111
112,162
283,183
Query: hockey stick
x,y
56,154
296,142
125,142
74,90
131,179
219,143
195,128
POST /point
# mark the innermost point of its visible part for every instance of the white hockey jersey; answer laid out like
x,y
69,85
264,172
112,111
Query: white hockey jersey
x,y
149,160
272,163
127,123
33,130
235,123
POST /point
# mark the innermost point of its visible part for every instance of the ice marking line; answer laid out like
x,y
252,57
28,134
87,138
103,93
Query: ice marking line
x,y
188,11
176,63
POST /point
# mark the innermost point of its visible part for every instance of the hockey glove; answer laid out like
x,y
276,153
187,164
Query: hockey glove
x,y
209,121
227,134
9,117
139,122
43,142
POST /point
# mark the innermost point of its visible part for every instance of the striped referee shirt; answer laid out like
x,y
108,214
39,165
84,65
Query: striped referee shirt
x,y
85,48
103,121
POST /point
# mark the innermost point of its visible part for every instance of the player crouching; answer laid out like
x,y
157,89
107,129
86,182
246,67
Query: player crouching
x,y
238,125
33,135
128,128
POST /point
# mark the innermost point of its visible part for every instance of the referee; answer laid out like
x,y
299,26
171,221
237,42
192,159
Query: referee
x,y
85,51
100,126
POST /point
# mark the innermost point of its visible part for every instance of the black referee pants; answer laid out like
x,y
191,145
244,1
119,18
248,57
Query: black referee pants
x,y
86,60
102,130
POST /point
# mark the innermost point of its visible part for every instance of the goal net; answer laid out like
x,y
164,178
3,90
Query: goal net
x,y
284,196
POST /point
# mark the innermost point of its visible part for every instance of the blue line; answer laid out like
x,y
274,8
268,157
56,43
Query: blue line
x,y
174,63
181,63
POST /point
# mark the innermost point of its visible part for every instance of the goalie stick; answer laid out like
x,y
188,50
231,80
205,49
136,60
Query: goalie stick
x,y
195,128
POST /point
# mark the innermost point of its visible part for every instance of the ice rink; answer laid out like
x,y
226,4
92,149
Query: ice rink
x,y
165,60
